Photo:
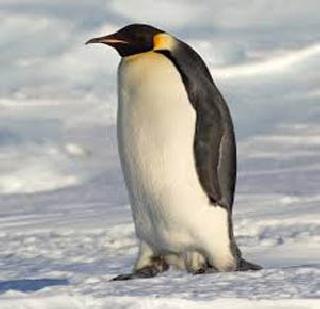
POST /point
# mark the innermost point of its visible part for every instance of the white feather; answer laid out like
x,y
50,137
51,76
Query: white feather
x,y
156,127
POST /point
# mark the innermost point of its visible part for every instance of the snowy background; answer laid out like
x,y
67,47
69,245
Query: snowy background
x,y
65,224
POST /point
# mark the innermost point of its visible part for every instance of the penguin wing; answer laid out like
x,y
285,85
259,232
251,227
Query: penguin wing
x,y
214,149
214,143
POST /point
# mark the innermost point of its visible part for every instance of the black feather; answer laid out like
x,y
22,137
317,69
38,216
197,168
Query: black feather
x,y
214,142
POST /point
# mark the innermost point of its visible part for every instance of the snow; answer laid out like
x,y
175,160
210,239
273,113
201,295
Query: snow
x,y
65,220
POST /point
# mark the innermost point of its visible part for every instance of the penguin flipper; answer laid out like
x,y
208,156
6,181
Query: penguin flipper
x,y
215,154
214,143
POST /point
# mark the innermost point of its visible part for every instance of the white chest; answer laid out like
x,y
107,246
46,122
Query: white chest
x,y
156,127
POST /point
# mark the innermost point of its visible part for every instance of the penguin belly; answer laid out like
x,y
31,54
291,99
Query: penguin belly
x,y
156,129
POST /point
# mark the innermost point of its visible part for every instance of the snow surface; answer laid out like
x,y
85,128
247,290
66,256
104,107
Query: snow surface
x,y
66,227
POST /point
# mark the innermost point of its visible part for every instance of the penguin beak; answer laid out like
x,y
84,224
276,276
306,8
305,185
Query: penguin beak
x,y
112,40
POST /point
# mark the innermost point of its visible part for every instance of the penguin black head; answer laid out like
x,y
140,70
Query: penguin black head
x,y
135,39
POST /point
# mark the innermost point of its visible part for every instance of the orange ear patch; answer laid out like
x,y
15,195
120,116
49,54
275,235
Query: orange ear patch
x,y
162,41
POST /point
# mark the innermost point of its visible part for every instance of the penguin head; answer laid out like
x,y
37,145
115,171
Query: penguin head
x,y
135,39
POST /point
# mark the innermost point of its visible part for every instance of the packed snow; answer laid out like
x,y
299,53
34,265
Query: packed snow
x,y
66,227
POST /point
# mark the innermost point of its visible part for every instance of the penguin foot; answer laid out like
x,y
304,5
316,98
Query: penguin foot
x,y
244,265
143,273
201,271
205,269
157,265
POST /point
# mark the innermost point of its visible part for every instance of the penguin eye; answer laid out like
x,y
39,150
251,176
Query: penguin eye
x,y
143,41
141,38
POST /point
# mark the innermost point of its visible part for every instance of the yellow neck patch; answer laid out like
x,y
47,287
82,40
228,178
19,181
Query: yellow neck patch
x,y
163,41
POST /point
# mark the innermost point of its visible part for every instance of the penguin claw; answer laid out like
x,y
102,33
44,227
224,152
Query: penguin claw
x,y
242,265
205,269
143,273
201,271
122,277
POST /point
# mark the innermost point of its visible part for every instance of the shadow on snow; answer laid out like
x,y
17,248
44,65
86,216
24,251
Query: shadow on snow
x,y
27,285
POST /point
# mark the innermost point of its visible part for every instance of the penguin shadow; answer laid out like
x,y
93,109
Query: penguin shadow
x,y
30,285
275,266
312,265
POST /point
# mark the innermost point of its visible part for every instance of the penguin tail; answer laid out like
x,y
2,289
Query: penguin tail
x,y
244,265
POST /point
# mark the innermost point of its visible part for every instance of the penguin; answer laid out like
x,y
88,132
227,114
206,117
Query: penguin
x,y
177,151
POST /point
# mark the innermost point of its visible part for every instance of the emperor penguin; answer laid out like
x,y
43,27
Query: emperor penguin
x,y
178,155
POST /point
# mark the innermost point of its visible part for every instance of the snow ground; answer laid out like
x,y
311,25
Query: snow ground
x,y
81,236
65,223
